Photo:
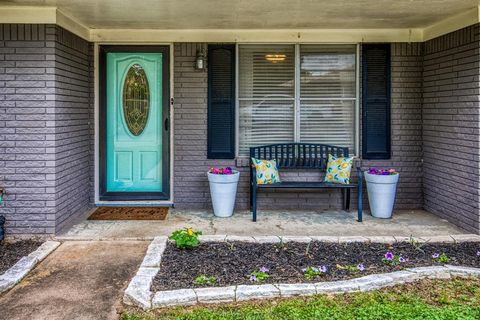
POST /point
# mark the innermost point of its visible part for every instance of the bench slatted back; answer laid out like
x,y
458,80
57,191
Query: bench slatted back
x,y
298,155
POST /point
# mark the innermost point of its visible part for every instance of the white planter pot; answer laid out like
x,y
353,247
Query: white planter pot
x,y
381,194
223,189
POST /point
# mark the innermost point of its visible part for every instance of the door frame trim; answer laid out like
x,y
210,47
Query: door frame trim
x,y
103,194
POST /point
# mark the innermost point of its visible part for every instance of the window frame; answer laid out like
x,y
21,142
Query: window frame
x,y
297,98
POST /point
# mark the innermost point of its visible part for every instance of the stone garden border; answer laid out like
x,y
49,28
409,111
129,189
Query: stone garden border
x,y
23,266
138,292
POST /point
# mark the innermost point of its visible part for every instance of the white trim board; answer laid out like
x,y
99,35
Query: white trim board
x,y
41,14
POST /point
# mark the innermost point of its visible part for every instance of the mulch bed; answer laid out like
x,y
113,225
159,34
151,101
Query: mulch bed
x,y
11,252
129,213
232,263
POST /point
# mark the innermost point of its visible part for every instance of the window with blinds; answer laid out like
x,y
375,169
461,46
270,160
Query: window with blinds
x,y
303,93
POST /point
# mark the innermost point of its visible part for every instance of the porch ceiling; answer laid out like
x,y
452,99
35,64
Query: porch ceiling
x,y
326,21
254,14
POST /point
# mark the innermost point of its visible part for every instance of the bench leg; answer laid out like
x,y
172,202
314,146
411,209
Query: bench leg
x,y
343,199
360,213
251,197
347,203
254,204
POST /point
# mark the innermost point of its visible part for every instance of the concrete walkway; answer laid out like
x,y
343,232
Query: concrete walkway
x,y
416,223
80,280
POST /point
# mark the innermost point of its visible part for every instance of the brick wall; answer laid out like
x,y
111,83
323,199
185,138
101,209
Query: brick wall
x,y
406,122
190,140
46,125
451,127
73,110
41,106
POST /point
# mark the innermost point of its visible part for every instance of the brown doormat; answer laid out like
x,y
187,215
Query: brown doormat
x,y
129,213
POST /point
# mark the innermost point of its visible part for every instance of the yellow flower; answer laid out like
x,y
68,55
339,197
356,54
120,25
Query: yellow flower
x,y
344,165
342,174
190,231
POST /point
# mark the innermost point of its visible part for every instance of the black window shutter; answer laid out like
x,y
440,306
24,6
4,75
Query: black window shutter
x,y
376,136
221,102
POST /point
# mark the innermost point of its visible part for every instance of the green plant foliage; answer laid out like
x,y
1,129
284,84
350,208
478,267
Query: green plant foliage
x,y
205,279
185,238
311,273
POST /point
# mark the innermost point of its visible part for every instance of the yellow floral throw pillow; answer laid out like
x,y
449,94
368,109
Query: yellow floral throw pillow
x,y
267,171
338,169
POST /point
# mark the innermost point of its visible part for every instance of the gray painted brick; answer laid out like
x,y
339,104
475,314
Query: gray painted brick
x,y
451,156
47,122
46,67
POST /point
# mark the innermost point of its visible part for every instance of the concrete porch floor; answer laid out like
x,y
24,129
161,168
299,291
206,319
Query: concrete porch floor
x,y
417,223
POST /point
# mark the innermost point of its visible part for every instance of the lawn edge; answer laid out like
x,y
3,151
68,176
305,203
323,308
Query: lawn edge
x,y
139,294
23,266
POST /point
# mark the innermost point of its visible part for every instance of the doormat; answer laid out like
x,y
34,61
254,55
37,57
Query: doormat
x,y
129,213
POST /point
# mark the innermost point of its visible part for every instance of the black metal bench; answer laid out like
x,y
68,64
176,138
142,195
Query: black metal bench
x,y
304,156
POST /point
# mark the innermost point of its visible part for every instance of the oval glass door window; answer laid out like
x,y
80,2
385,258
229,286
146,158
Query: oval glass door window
x,y
136,99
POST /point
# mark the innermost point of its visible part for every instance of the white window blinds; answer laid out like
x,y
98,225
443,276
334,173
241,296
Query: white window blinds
x,y
303,93
328,94
266,95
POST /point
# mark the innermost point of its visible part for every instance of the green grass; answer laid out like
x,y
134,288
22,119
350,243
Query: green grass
x,y
428,299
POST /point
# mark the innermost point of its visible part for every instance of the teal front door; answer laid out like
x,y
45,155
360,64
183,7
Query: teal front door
x,y
135,126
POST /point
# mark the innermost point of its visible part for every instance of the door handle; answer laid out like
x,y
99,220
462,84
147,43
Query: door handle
x,y
166,124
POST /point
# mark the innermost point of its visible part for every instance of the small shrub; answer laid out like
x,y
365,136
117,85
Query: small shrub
x,y
205,279
185,238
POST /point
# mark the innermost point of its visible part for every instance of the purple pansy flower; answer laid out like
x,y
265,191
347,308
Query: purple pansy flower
x,y
382,172
361,267
304,270
389,256
478,253
401,259
322,269
435,255
264,269
253,278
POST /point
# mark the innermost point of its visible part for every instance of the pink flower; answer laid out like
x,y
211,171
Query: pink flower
x,y
226,170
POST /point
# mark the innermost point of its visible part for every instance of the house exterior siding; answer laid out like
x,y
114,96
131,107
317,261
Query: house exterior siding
x,y
73,136
451,133
42,105
406,124
190,140
47,131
